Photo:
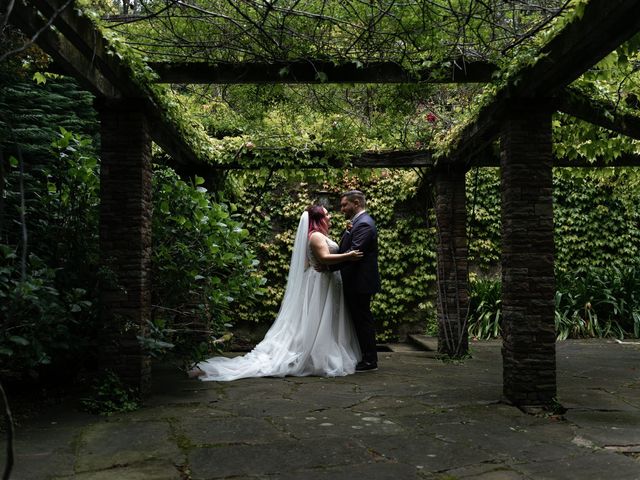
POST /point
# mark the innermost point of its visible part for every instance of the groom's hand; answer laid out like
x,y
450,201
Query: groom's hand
x,y
321,268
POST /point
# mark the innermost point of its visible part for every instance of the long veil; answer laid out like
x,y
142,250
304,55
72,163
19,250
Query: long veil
x,y
293,293
283,345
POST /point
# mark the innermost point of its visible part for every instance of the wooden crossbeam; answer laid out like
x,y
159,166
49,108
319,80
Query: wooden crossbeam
x,y
320,71
603,26
82,52
598,112
408,159
65,55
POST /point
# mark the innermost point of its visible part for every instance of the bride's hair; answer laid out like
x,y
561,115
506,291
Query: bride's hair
x,y
318,220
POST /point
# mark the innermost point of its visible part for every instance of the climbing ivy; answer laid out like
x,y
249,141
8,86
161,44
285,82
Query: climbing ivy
x,y
597,217
406,241
483,219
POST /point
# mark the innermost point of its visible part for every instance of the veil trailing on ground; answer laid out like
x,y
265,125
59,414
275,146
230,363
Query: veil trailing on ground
x,y
311,335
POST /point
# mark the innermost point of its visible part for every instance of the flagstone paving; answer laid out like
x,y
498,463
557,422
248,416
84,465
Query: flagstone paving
x,y
414,418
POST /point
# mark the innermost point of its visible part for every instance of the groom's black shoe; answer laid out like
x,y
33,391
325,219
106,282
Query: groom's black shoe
x,y
366,366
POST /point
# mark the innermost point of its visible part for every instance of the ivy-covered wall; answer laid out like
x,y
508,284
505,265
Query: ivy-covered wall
x,y
596,216
406,241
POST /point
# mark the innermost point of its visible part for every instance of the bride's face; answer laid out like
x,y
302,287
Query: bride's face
x,y
327,217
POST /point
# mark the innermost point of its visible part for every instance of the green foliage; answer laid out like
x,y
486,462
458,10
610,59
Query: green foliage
x,y
485,308
33,114
34,316
597,217
201,265
598,302
52,308
577,139
109,395
597,240
483,218
407,255
589,302
200,261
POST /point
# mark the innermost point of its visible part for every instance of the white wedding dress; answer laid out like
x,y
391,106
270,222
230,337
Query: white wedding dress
x,y
312,334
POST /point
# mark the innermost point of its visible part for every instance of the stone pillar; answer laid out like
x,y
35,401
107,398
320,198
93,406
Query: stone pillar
x,y
528,282
125,238
452,270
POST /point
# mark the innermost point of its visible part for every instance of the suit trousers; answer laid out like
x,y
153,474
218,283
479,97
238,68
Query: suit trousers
x,y
359,305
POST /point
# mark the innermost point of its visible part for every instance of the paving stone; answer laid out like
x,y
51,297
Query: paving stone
x,y
371,471
591,465
429,453
338,423
483,471
114,444
214,431
275,458
607,428
41,452
414,418
204,410
152,470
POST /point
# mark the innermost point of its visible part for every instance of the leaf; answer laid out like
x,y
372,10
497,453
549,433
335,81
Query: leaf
x,y
18,340
6,351
283,72
322,77
40,78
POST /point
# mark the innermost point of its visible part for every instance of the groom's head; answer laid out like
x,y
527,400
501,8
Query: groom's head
x,y
352,202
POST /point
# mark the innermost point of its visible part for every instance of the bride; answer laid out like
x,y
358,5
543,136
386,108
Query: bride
x,y
312,334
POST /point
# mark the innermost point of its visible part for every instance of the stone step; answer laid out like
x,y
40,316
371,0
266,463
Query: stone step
x,y
423,342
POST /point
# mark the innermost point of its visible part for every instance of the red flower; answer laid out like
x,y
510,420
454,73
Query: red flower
x,y
430,117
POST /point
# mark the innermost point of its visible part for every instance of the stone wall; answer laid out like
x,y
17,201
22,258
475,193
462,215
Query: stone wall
x,y
528,283
452,269
125,238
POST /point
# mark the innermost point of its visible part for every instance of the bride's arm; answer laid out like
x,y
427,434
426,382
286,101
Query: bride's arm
x,y
320,250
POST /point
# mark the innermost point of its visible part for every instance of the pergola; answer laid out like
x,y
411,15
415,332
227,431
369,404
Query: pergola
x,y
519,116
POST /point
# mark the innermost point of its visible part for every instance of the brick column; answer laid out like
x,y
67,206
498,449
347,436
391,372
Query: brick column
x,y
125,237
452,271
528,282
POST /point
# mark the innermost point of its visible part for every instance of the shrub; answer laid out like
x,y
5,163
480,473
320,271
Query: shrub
x,y
201,265
485,308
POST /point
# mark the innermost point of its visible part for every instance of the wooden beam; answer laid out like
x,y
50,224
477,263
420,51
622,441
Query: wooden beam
x,y
599,112
83,53
320,71
405,159
624,160
81,33
386,159
603,26
65,55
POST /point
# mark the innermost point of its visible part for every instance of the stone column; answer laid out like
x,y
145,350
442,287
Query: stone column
x,y
528,282
125,238
452,270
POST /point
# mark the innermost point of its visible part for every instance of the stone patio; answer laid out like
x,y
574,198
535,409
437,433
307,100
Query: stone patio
x,y
415,418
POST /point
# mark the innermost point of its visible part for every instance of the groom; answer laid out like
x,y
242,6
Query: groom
x,y
360,279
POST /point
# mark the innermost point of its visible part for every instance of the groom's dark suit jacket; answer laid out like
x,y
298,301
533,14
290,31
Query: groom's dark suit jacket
x,y
361,276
